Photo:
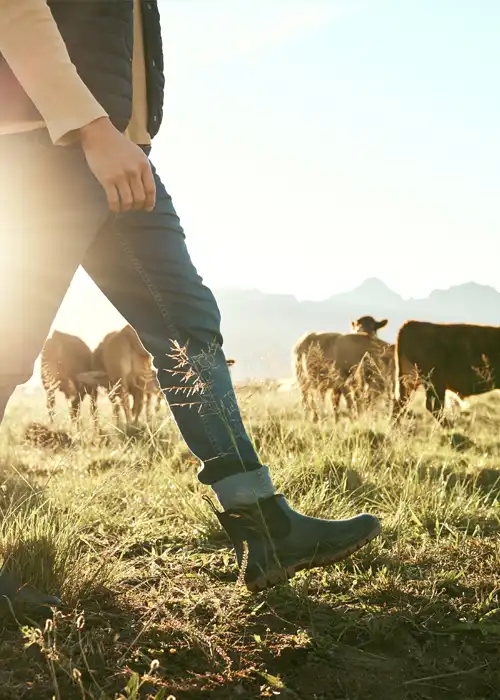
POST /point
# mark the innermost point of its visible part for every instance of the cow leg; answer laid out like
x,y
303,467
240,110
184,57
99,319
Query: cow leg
x,y
353,402
314,399
93,408
94,419
150,399
435,404
308,400
74,408
335,397
116,405
51,404
119,396
402,395
124,400
354,398
153,404
138,403
319,403
157,401
326,401
304,397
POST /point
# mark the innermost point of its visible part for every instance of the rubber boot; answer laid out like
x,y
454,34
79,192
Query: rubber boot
x,y
282,541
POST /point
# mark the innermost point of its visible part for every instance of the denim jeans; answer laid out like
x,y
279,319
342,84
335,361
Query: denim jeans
x,y
53,217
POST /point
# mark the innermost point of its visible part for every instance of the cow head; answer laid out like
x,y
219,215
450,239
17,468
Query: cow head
x,y
368,325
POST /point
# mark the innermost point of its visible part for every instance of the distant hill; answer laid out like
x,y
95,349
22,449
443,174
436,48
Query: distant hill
x,y
260,329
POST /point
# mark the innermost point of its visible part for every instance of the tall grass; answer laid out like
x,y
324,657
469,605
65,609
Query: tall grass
x,y
153,606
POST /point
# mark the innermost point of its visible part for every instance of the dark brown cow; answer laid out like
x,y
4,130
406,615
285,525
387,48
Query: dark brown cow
x,y
378,379
461,358
64,357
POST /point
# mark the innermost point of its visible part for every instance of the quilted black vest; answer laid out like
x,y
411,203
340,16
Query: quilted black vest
x,y
99,36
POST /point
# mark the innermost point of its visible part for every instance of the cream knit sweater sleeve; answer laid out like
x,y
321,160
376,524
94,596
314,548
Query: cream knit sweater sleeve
x,y
31,44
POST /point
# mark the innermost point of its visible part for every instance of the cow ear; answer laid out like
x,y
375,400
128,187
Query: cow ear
x,y
381,324
353,325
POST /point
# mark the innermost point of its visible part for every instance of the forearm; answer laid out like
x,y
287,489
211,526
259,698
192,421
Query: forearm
x,y
33,47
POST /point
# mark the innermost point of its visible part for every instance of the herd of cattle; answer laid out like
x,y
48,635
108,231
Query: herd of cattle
x,y
120,365
461,359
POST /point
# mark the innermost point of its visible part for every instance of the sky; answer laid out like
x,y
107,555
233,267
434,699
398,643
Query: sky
x,y
310,144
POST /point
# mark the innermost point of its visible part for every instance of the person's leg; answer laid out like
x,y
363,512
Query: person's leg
x,y
49,210
142,265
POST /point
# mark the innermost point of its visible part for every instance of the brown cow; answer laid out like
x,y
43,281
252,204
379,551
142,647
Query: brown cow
x,y
63,358
123,366
380,380
461,358
335,365
371,378
311,365
368,325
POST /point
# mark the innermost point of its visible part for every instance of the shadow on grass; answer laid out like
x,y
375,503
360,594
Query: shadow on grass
x,y
40,435
321,637
485,480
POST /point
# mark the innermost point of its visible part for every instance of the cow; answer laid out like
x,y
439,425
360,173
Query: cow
x,y
123,366
368,325
460,358
335,365
317,377
64,357
379,380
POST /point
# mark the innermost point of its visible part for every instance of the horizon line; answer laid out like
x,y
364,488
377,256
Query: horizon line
x,y
300,298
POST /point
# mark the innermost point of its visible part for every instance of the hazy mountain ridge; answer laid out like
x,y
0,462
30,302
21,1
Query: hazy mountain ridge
x,y
260,329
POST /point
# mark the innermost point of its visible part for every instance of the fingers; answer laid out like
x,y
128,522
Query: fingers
x,y
113,197
149,187
138,191
135,191
123,184
119,195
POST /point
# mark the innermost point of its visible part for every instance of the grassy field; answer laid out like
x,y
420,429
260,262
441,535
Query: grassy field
x,y
153,607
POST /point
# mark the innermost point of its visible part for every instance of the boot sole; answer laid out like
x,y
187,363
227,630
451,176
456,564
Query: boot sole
x,y
272,577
